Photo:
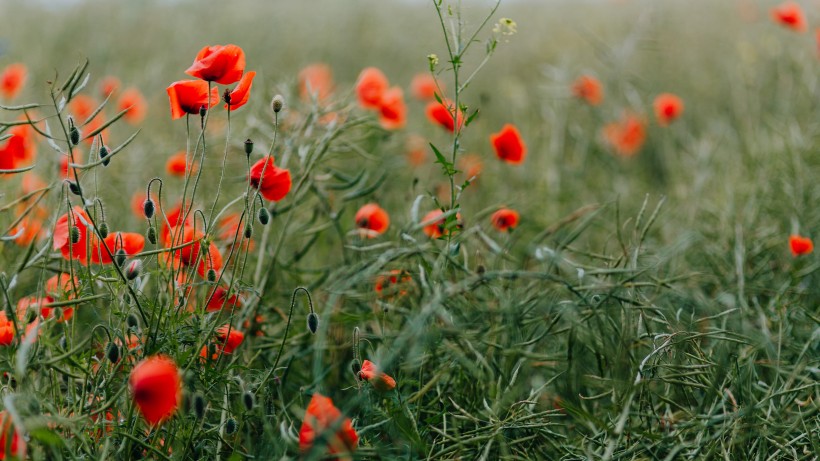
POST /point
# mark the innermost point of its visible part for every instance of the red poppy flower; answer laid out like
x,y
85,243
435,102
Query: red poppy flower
x,y
589,89
132,100
800,245
322,416
218,63
228,339
392,111
423,87
441,113
11,438
240,94
626,136
789,14
174,217
392,283
131,242
176,164
109,85
435,227
380,380
372,219
505,219
188,96
370,88
12,80
6,332
316,80
19,150
190,255
668,107
508,145
273,182
156,388
229,228
29,229
62,237
220,300
82,106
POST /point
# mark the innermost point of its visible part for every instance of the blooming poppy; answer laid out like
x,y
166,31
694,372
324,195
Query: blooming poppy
x,y
668,107
273,182
423,87
228,339
800,245
370,88
218,63
626,136
789,14
11,438
380,380
191,254
589,89
130,242
220,300
188,96
322,416
82,106
508,144
372,220
109,85
392,111
6,330
62,235
316,80
19,149
392,282
239,96
176,164
174,218
442,113
156,388
132,100
505,219
12,79
435,228
29,229
229,228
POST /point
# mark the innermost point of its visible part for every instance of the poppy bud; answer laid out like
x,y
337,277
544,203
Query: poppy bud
x,y
133,322
148,208
74,233
104,155
248,147
264,216
248,230
211,274
103,229
133,269
73,132
230,426
74,187
112,352
202,111
313,322
152,235
247,399
356,366
226,96
199,406
119,257
277,103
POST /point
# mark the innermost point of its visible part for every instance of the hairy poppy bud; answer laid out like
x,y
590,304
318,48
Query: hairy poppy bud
x,y
73,132
132,322
199,406
120,257
74,233
248,230
248,147
148,208
152,235
112,352
264,216
211,274
230,426
103,229
74,187
133,269
248,400
104,155
313,322
356,366
277,103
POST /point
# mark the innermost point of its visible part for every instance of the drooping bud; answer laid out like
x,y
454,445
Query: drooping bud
x,y
74,187
203,110
248,147
313,322
119,257
73,132
104,155
248,230
132,322
248,400
112,352
211,275
148,208
152,234
277,103
230,426
133,269
264,216
74,233
103,229
356,367
199,406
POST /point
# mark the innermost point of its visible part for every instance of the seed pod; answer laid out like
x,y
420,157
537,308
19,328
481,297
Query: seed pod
x,y
313,322
148,208
74,187
356,367
152,234
230,426
103,229
264,216
112,352
133,269
277,103
132,322
119,257
248,147
248,230
104,155
248,400
74,233
211,275
199,406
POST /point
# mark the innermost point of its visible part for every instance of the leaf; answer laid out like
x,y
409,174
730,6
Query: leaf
x,y
449,168
471,117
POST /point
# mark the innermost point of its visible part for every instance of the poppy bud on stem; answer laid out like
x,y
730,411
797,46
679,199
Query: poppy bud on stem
x,y
264,216
104,153
277,103
152,234
73,132
248,147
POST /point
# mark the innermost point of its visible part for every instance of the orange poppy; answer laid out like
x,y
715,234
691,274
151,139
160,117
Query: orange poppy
x,y
12,440
62,238
508,145
132,100
316,80
82,106
435,227
273,182
30,228
156,388
442,113
109,85
789,14
228,339
239,96
12,79
668,107
188,96
322,416
370,88
218,63
6,332
131,242
380,380
589,89
372,220
392,111
626,136
176,164
505,219
800,245
423,87
220,300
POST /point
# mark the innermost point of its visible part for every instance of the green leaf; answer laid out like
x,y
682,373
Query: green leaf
x,y
471,117
449,168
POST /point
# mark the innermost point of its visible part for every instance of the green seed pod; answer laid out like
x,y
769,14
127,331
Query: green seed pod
x,y
313,322
264,216
152,235
103,229
248,147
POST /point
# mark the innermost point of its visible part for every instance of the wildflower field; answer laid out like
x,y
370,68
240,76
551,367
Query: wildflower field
x,y
442,229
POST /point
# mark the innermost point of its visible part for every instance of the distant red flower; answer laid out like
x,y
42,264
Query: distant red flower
x,y
380,380
322,416
220,300
392,283
442,113
273,182
372,220
218,63
176,164
156,388
471,165
392,111
435,228
370,88
423,87
316,80
789,14
30,228
174,216
131,242
626,136
12,440
416,150
82,106
800,245
19,150
508,145
188,96
589,89
12,80
133,100
668,107
505,219
6,332
192,254
108,85
62,238
240,94
137,201
228,339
